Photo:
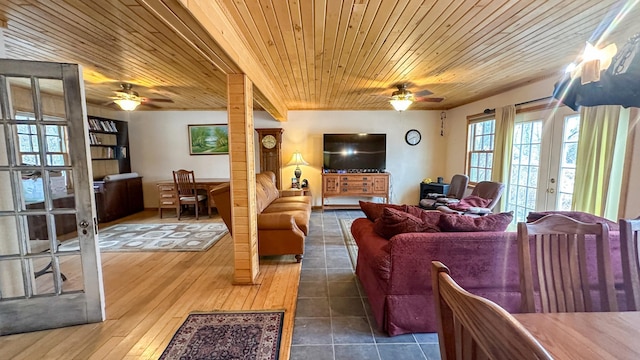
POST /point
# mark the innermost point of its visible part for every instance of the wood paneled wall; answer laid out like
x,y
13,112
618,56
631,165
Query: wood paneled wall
x,y
243,184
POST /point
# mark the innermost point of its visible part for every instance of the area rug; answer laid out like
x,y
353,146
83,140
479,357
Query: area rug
x,y
349,242
227,335
156,237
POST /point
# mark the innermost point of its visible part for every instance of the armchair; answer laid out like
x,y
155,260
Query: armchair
x,y
457,187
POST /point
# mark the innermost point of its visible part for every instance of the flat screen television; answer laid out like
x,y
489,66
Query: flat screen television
x,y
355,152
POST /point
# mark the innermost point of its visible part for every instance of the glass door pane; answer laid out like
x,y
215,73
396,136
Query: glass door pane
x,y
543,162
45,199
525,167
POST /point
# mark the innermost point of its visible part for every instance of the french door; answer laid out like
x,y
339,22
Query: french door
x,y
542,175
45,198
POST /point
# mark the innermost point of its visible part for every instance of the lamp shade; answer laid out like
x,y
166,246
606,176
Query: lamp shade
x,y
297,159
127,104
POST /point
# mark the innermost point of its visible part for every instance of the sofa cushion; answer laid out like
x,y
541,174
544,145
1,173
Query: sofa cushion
x,y
393,222
576,215
492,222
374,210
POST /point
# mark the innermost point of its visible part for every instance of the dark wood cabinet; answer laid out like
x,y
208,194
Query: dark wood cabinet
x,y
109,142
428,188
118,198
64,223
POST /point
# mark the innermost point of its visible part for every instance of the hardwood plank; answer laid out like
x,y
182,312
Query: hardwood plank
x,y
174,284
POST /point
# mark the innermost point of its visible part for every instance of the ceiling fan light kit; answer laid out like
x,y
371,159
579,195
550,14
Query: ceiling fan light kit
x,y
128,99
401,99
127,104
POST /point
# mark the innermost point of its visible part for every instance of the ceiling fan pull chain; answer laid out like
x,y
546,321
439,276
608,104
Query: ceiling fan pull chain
x,y
443,115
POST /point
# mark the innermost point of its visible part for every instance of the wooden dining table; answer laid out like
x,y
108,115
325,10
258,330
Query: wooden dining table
x,y
586,336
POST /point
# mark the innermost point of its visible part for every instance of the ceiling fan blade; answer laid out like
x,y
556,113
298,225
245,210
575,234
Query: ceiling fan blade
x,y
430,99
150,105
157,100
422,93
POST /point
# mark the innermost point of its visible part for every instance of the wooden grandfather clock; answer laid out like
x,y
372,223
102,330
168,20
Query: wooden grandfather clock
x,y
270,141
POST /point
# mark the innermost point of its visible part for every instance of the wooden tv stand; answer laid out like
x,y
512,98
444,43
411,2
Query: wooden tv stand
x,y
354,185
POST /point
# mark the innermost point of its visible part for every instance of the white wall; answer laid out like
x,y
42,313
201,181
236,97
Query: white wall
x,y
159,144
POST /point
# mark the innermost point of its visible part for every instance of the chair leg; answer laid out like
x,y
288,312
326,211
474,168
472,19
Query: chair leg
x,y
197,206
178,210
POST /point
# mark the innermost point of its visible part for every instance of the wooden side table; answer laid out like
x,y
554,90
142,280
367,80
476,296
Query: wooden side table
x,y
296,192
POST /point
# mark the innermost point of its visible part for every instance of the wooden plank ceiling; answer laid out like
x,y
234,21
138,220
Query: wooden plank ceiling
x,y
320,54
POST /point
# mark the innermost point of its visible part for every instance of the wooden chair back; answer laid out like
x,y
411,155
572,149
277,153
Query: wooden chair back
x,y
472,327
630,250
558,244
185,182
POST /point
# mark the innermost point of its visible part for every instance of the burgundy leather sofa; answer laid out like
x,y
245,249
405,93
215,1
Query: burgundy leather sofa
x,y
396,273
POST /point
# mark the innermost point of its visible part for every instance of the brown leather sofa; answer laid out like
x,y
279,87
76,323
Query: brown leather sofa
x,y
283,221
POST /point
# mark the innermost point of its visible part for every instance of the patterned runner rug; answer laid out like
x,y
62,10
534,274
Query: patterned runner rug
x,y
227,335
156,237
349,242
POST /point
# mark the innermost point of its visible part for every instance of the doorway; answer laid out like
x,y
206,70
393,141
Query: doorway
x,y
542,174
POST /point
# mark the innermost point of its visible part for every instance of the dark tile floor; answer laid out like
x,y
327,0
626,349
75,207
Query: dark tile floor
x,y
333,320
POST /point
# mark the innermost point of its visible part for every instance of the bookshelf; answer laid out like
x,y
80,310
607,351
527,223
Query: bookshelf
x,y
109,142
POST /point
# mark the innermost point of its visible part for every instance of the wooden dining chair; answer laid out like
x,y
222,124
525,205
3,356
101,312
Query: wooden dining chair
x,y
561,248
630,251
185,183
472,327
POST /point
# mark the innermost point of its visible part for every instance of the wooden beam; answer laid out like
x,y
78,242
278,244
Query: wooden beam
x,y
213,17
243,179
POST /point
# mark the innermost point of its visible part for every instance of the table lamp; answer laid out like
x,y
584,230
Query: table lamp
x,y
297,160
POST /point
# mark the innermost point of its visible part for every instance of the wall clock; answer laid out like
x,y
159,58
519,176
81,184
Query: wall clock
x,y
269,141
413,137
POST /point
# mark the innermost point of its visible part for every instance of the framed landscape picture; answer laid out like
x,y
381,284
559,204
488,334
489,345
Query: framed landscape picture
x,y
211,139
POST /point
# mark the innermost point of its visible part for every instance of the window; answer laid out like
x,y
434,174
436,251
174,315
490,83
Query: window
x,y
55,140
480,144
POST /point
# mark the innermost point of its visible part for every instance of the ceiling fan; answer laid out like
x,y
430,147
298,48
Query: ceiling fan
x,y
129,100
402,98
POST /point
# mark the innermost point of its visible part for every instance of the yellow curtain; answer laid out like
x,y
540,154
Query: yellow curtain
x,y
600,160
503,144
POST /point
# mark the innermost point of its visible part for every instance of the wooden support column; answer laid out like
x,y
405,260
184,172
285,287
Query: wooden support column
x,y
243,178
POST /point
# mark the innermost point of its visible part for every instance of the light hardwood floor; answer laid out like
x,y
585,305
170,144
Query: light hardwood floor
x,y
149,294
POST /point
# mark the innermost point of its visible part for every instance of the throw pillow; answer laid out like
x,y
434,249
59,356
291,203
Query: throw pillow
x,y
430,218
462,223
393,222
374,210
576,215
469,202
